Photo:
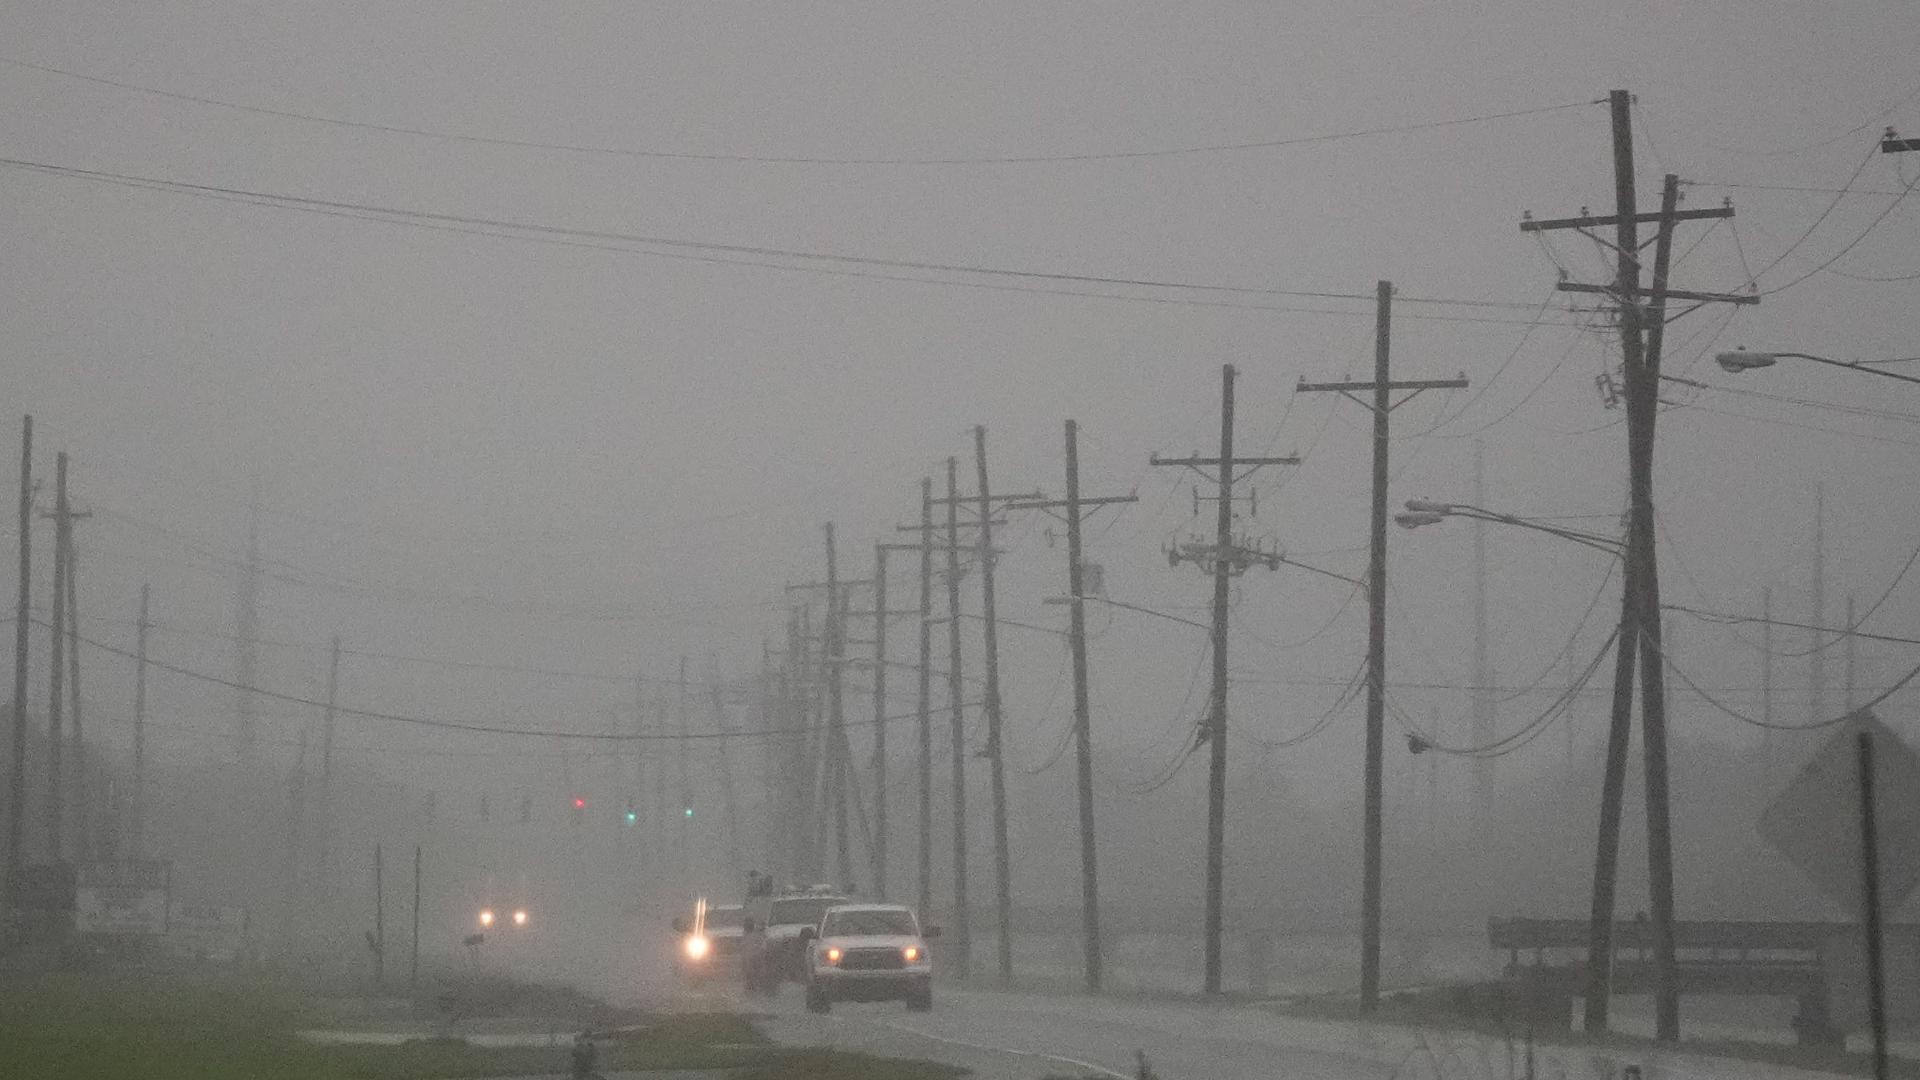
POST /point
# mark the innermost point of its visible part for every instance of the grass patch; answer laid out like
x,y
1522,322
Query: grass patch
x,y
814,1064
89,1026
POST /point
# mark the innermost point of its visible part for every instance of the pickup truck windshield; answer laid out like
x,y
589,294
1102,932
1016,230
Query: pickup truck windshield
x,y
860,923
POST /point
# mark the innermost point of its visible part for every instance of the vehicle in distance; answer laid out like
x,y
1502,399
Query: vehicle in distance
x,y
773,949
869,952
709,946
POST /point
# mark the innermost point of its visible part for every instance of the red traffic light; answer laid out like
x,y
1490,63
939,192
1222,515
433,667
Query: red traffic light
x,y
579,803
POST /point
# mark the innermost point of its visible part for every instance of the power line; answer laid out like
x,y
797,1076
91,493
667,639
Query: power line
x,y
483,729
752,255
771,159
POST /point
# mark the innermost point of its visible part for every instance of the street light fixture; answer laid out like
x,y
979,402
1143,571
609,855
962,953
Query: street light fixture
x,y
1740,360
1427,512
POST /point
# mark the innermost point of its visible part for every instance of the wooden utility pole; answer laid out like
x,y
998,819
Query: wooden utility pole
x,y
996,765
683,770
82,809
962,934
880,614
56,773
1642,322
22,624
1223,560
835,656
246,642
1076,508
1382,405
136,830
924,894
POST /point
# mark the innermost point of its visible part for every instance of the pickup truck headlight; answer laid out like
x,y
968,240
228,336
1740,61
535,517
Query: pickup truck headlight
x,y
910,953
833,956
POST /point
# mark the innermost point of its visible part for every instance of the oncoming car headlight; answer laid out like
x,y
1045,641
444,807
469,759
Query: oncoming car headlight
x,y
486,916
910,953
833,955
519,916
698,947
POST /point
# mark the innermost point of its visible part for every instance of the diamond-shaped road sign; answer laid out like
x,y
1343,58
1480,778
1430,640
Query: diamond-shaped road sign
x,y
1815,820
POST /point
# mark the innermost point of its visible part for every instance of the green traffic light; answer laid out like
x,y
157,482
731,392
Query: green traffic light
x,y
689,811
632,817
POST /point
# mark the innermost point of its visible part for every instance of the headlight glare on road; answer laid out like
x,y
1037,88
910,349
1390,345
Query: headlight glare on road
x,y
911,953
833,956
697,948
486,916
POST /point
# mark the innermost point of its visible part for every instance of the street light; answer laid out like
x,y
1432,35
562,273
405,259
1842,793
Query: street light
x,y
1740,360
1421,512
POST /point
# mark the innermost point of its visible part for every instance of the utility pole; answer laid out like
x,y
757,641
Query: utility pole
x,y
835,655
1224,559
246,643
56,779
962,934
924,895
22,623
1076,509
137,827
996,766
82,810
1382,387
1642,322
880,613
984,500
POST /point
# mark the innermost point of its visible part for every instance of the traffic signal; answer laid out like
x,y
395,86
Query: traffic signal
x,y
632,815
483,806
688,811
526,809
579,809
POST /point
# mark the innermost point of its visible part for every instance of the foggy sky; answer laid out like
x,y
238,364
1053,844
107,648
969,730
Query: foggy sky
x,y
434,415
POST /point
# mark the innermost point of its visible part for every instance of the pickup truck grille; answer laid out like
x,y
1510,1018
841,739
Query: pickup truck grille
x,y
872,960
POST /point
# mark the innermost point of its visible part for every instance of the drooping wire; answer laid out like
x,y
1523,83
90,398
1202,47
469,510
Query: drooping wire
x,y
770,159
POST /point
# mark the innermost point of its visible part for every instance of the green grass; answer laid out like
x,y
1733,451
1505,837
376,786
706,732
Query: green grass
x,y
840,1065
91,1026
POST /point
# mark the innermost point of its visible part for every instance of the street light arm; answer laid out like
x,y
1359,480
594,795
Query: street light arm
x,y
1746,359
1593,540
1851,365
